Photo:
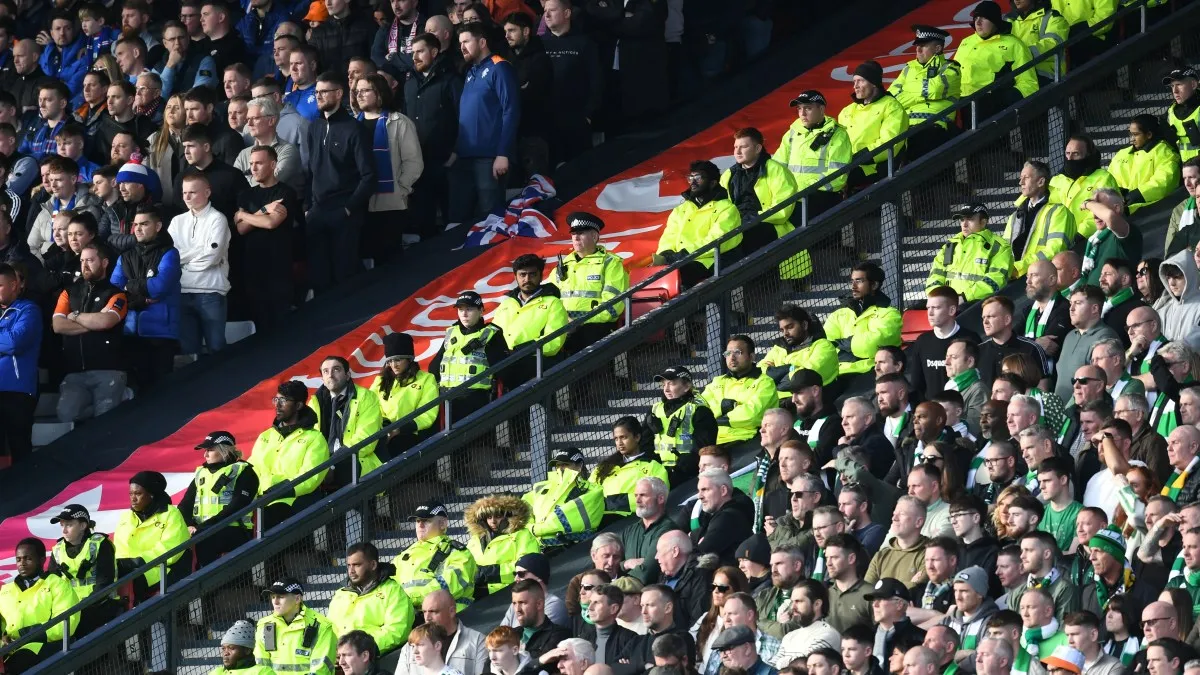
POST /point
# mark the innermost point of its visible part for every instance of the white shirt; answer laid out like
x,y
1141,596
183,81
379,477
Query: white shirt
x,y
203,243
1101,491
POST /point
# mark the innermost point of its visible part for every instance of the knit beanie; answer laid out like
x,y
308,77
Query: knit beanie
x,y
152,481
1110,541
134,172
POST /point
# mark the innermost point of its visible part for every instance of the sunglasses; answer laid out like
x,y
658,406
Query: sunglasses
x,y
1083,380
1143,272
721,588
587,587
929,459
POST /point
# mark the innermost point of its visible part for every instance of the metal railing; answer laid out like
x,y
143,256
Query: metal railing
x,y
535,401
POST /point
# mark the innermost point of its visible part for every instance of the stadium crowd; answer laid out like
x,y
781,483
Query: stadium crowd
x,y
1026,501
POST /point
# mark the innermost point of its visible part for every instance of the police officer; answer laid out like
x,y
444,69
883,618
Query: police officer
x,y
224,484
471,347
292,447
30,600
740,396
529,312
88,561
1081,176
619,473
294,637
798,346
373,601
873,118
402,388
435,561
499,535
927,86
974,262
814,147
567,507
705,215
1038,229
151,527
347,415
237,652
866,322
681,423
1041,28
587,278
1085,15
1147,169
1184,114
988,52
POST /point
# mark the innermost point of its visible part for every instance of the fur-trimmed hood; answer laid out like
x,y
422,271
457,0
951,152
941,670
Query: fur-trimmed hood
x,y
514,508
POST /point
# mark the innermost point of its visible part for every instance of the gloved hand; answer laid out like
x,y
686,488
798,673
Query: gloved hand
x,y
1134,197
727,405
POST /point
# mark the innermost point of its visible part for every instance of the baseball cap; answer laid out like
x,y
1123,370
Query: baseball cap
x,y
429,509
806,97
886,589
73,512
674,373
215,438
285,586
734,636
1181,74
582,220
568,456
1065,657
802,379
966,210
469,299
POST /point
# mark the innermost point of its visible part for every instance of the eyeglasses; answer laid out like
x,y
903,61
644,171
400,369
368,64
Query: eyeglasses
x,y
721,588
1083,380
731,352
995,460
1150,622
961,514
1139,323
279,399
326,92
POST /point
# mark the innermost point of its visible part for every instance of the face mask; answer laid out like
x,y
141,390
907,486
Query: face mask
x,y
1074,168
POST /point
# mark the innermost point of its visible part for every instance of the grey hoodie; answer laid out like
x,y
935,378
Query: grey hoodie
x,y
1180,316
41,233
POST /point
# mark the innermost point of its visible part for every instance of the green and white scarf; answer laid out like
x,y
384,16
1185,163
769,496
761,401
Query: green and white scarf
x,y
932,590
1046,581
1115,300
963,381
1128,650
1066,292
1102,592
1035,321
1178,478
1030,640
1093,249
976,463
818,573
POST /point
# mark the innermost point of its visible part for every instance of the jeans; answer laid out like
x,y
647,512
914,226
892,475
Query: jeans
x,y
16,424
331,240
90,393
756,36
202,319
474,193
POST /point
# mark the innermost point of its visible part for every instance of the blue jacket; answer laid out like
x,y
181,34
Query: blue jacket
x,y
102,42
489,111
20,344
68,64
259,35
150,272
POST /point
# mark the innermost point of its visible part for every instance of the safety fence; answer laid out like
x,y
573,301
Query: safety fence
x,y
504,447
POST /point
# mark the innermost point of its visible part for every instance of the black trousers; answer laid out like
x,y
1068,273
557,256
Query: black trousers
x,y
430,193
331,240
381,238
468,403
96,616
275,514
150,359
24,660
220,543
587,335
693,273
757,237
16,425
926,140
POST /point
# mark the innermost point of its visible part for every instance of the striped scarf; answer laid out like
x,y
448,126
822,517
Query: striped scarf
x,y
1030,640
381,150
1178,479
1126,650
818,573
761,471
1123,586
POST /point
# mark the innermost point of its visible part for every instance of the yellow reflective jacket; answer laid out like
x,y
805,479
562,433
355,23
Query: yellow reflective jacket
x,y
618,484
215,490
691,226
438,562
81,569
251,670
870,125
1051,233
47,597
566,507
816,354
148,539
1153,172
464,355
382,609
1090,12
308,644
860,329
981,60
925,90
1185,122
496,553
1073,193
1042,30
532,319
739,403
774,186
364,419
591,281
405,397
812,154
282,453
976,265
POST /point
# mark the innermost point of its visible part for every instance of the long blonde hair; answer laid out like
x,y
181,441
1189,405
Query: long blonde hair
x,y
107,63
162,138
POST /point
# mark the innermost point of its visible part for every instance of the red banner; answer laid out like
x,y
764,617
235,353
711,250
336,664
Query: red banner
x,y
633,204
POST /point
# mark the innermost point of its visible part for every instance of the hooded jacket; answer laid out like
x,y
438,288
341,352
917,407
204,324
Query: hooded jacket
x,y
20,344
41,235
149,273
860,328
1181,315
284,452
698,221
381,608
496,552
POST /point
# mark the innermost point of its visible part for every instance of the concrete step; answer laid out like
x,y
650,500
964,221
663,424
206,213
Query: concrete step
x,y
50,430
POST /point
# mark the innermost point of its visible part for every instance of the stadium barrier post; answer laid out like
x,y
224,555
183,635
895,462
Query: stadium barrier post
x,y
804,211
893,266
891,161
974,114
537,361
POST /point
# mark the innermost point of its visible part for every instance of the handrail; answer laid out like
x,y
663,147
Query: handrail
x,y
534,348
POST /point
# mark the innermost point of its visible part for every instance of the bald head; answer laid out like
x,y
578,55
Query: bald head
x,y
1046,267
25,48
1068,266
438,607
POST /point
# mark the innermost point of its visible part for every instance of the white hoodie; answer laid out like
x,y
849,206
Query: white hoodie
x,y
1180,316
203,243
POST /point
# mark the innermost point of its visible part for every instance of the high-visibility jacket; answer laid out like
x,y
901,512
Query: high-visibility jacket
x,y
691,226
249,670
48,597
591,281
80,570
405,397
215,490
776,185
382,610
566,507
1091,12
532,319
751,394
812,154
976,265
870,125
363,419
678,429
619,484
1042,30
307,644
927,89
496,553
150,538
816,354
1153,171
1073,193
982,60
278,458
438,562
1185,122
859,332
460,363
1051,233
